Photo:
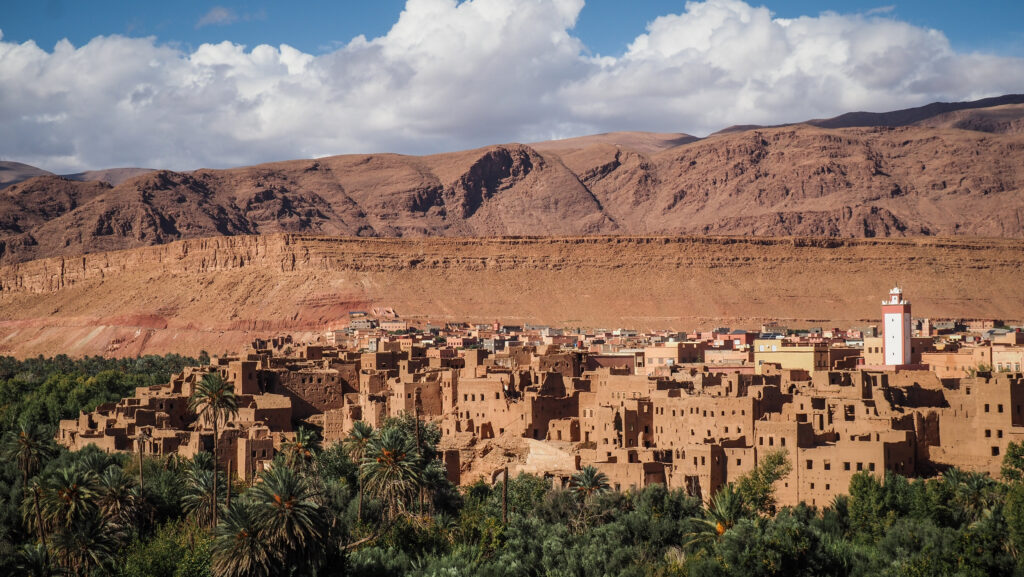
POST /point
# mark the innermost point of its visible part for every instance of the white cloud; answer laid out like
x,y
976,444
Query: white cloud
x,y
882,10
218,15
452,75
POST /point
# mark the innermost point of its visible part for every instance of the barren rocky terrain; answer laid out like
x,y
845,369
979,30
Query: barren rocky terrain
x,y
218,293
809,223
958,172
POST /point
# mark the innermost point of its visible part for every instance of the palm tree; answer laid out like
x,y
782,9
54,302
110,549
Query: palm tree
x,y
199,487
90,543
96,461
34,561
289,517
300,452
721,514
726,508
141,437
213,399
30,446
975,495
69,497
390,468
117,497
589,481
355,443
238,547
585,484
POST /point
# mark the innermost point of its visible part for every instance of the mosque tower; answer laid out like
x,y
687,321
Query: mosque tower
x,y
896,323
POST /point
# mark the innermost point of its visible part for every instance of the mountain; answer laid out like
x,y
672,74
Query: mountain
x,y
958,172
905,117
108,175
15,172
219,293
914,115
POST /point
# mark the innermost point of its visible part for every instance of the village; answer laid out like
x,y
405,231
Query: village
x,y
689,410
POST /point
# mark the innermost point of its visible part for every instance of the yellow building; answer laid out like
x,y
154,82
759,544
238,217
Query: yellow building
x,y
806,357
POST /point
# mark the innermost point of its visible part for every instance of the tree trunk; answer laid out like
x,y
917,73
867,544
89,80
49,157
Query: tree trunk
x,y
213,525
504,499
39,521
359,511
419,450
142,486
229,484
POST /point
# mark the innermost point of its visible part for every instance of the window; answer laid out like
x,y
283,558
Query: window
x,y
999,433
995,451
810,464
988,433
739,462
860,466
846,465
871,466
812,486
986,407
827,465
999,408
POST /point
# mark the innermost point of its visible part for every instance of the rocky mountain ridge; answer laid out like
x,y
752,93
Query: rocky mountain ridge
x,y
959,172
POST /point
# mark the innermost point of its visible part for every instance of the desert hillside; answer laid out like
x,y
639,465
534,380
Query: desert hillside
x,y
951,172
218,293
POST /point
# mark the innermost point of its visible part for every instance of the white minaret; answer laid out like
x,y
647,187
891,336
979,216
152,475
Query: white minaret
x,y
896,315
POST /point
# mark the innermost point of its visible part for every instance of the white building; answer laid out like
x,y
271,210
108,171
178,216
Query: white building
x,y
896,315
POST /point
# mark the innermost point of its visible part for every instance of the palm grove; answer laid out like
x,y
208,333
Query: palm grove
x,y
380,504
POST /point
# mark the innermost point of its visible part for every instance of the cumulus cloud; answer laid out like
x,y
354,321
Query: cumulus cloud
x,y
451,75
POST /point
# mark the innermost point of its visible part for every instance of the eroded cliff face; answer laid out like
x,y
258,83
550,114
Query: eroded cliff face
x,y
218,293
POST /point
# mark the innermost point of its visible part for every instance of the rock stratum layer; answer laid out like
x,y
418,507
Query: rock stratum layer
x,y
958,172
218,293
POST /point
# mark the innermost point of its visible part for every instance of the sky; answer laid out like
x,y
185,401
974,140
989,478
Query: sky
x,y
187,84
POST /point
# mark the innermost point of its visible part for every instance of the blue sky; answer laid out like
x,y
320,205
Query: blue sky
x,y
185,84
606,26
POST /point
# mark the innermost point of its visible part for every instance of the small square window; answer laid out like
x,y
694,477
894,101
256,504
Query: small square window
x,y
846,465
